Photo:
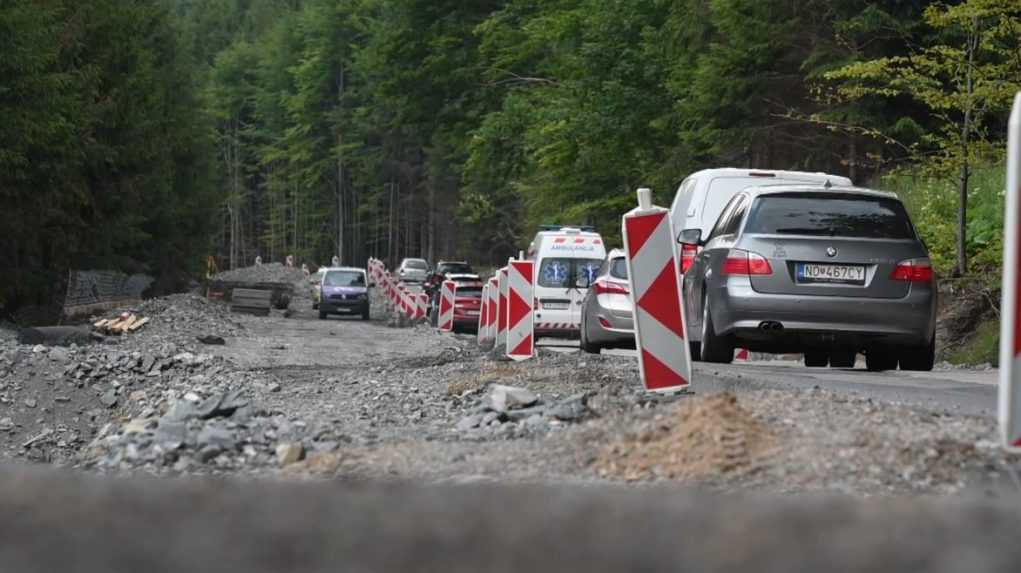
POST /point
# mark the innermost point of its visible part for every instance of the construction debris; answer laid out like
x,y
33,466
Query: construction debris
x,y
126,322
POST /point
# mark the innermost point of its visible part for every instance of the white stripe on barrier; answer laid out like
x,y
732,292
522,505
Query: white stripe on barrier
x,y
448,291
483,317
651,256
1010,309
423,306
520,326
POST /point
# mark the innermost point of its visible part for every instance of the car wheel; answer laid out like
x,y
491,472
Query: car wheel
x,y
816,359
315,306
878,359
696,351
586,344
715,348
365,315
919,358
322,315
842,359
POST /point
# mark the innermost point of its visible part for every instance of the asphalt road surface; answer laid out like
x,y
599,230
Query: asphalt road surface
x,y
962,391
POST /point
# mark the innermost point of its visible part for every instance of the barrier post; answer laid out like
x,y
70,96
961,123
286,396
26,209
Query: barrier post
x,y
483,330
520,325
1010,319
492,303
650,247
447,293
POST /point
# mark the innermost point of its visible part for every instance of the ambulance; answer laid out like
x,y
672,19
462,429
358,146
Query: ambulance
x,y
567,260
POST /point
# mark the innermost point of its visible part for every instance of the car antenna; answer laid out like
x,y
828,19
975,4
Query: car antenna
x,y
828,185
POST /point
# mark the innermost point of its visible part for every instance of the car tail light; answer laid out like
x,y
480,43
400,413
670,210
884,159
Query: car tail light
x,y
688,254
913,270
606,287
743,263
604,323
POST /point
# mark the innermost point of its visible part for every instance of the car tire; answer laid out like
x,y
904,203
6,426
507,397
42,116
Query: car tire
x,y
696,351
366,315
315,306
816,359
919,358
843,359
879,359
716,349
586,345
322,315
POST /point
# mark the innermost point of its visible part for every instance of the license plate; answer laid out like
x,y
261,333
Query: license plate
x,y
472,313
556,305
832,274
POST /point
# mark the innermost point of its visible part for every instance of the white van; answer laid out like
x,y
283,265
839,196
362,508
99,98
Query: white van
x,y
564,258
702,196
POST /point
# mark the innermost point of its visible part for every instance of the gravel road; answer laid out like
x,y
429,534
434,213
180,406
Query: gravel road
x,y
420,441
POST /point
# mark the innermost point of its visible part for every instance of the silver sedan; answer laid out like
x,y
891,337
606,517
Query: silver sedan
x,y
606,317
824,272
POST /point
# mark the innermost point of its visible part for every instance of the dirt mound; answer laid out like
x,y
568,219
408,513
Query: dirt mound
x,y
703,437
269,272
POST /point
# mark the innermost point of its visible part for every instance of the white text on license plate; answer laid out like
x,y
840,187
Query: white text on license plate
x,y
851,274
556,305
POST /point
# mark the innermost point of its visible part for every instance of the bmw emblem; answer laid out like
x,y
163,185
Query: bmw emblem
x,y
831,252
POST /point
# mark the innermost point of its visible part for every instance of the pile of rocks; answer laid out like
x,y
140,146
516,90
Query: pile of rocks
x,y
180,318
266,273
511,411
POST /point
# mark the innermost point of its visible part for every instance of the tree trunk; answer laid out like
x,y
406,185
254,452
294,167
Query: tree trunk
x,y
962,208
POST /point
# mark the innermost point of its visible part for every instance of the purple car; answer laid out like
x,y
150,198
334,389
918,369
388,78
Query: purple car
x,y
344,291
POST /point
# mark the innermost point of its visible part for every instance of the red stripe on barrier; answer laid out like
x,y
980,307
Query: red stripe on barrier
x,y
518,308
659,375
524,348
639,230
660,300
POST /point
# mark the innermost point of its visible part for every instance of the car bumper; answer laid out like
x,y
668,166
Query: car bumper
x,y
613,328
343,306
739,310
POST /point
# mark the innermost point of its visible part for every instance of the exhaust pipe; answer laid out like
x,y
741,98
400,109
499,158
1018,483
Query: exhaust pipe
x,y
770,326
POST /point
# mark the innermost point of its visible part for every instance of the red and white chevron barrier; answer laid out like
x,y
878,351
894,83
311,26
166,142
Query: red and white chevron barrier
x,y
483,330
492,305
1010,324
447,293
423,306
501,308
520,325
741,354
664,358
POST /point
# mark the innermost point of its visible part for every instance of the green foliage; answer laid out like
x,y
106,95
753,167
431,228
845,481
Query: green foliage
x,y
981,348
932,201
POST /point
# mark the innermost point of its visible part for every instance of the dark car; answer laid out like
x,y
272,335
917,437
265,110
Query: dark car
x,y
344,290
824,272
445,269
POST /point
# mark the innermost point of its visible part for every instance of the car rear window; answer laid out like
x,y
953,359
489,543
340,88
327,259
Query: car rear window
x,y
344,279
473,291
455,269
830,215
564,272
618,268
416,264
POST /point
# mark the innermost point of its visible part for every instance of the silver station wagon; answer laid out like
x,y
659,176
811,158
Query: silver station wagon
x,y
816,270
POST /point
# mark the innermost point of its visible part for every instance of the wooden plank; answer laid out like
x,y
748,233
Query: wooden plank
x,y
139,324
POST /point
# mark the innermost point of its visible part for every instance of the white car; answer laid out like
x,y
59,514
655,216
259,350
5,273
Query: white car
x,y
567,260
413,270
702,196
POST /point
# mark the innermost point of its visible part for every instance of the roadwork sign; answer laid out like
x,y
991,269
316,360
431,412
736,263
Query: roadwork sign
x,y
501,309
447,293
1010,309
520,325
664,358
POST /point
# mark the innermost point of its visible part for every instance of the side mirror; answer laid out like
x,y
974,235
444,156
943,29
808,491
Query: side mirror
x,y
690,237
582,282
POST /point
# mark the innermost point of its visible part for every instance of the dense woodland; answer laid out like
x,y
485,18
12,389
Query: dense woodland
x,y
146,135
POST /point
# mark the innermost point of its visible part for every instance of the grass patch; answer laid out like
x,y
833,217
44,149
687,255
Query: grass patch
x,y
982,347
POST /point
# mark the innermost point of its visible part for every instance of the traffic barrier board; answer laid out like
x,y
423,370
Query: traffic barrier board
x,y
493,304
520,325
483,330
664,358
501,308
423,306
741,354
1010,309
447,294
